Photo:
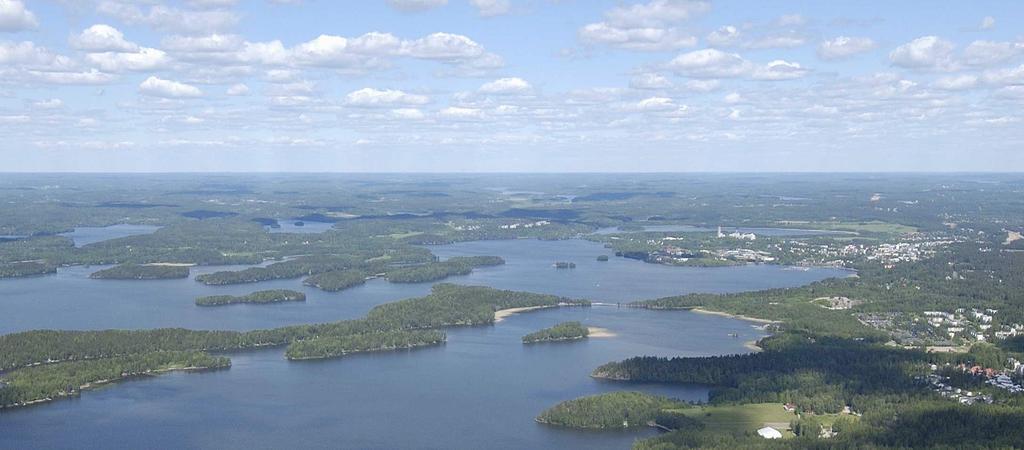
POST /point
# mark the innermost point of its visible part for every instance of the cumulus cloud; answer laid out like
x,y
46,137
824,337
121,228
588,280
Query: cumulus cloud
x,y
358,54
143,60
491,8
237,90
656,104
86,77
988,53
459,113
102,38
643,39
956,83
27,53
645,26
212,43
927,52
158,87
703,85
416,5
779,70
506,86
776,41
369,97
725,36
1012,76
844,47
15,17
710,63
649,81
170,19
407,113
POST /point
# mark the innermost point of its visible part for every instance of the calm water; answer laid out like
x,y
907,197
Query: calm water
x,y
308,226
71,300
482,389
88,235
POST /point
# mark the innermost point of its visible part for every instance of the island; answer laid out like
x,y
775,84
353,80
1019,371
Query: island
x,y
439,270
258,297
26,268
337,280
564,265
565,331
43,383
626,409
602,258
336,346
54,357
142,272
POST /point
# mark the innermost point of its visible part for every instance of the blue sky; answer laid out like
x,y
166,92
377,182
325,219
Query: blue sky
x,y
511,85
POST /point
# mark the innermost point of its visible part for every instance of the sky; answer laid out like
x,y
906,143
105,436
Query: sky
x,y
511,86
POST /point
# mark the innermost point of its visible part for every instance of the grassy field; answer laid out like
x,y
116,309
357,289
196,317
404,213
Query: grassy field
x,y
740,418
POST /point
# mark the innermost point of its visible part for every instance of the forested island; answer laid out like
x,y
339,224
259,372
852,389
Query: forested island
x,y
51,355
337,280
142,272
564,331
258,297
46,382
459,265
26,268
336,272
293,268
335,346
616,410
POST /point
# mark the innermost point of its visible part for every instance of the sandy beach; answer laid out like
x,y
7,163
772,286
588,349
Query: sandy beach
x,y
501,314
734,316
597,332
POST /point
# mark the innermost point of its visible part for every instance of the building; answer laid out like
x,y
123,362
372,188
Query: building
x,y
769,433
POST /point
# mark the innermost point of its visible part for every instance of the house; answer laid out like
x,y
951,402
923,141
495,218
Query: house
x,y
789,407
769,433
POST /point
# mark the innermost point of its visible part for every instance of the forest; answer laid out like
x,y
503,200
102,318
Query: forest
x,y
258,297
439,270
337,280
823,375
335,346
26,268
141,272
40,383
623,409
564,331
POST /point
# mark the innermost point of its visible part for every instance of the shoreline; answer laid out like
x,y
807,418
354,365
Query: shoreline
x,y
598,332
92,385
733,316
502,314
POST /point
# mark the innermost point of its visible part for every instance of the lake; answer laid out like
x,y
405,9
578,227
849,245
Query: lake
x,y
89,235
308,226
482,389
